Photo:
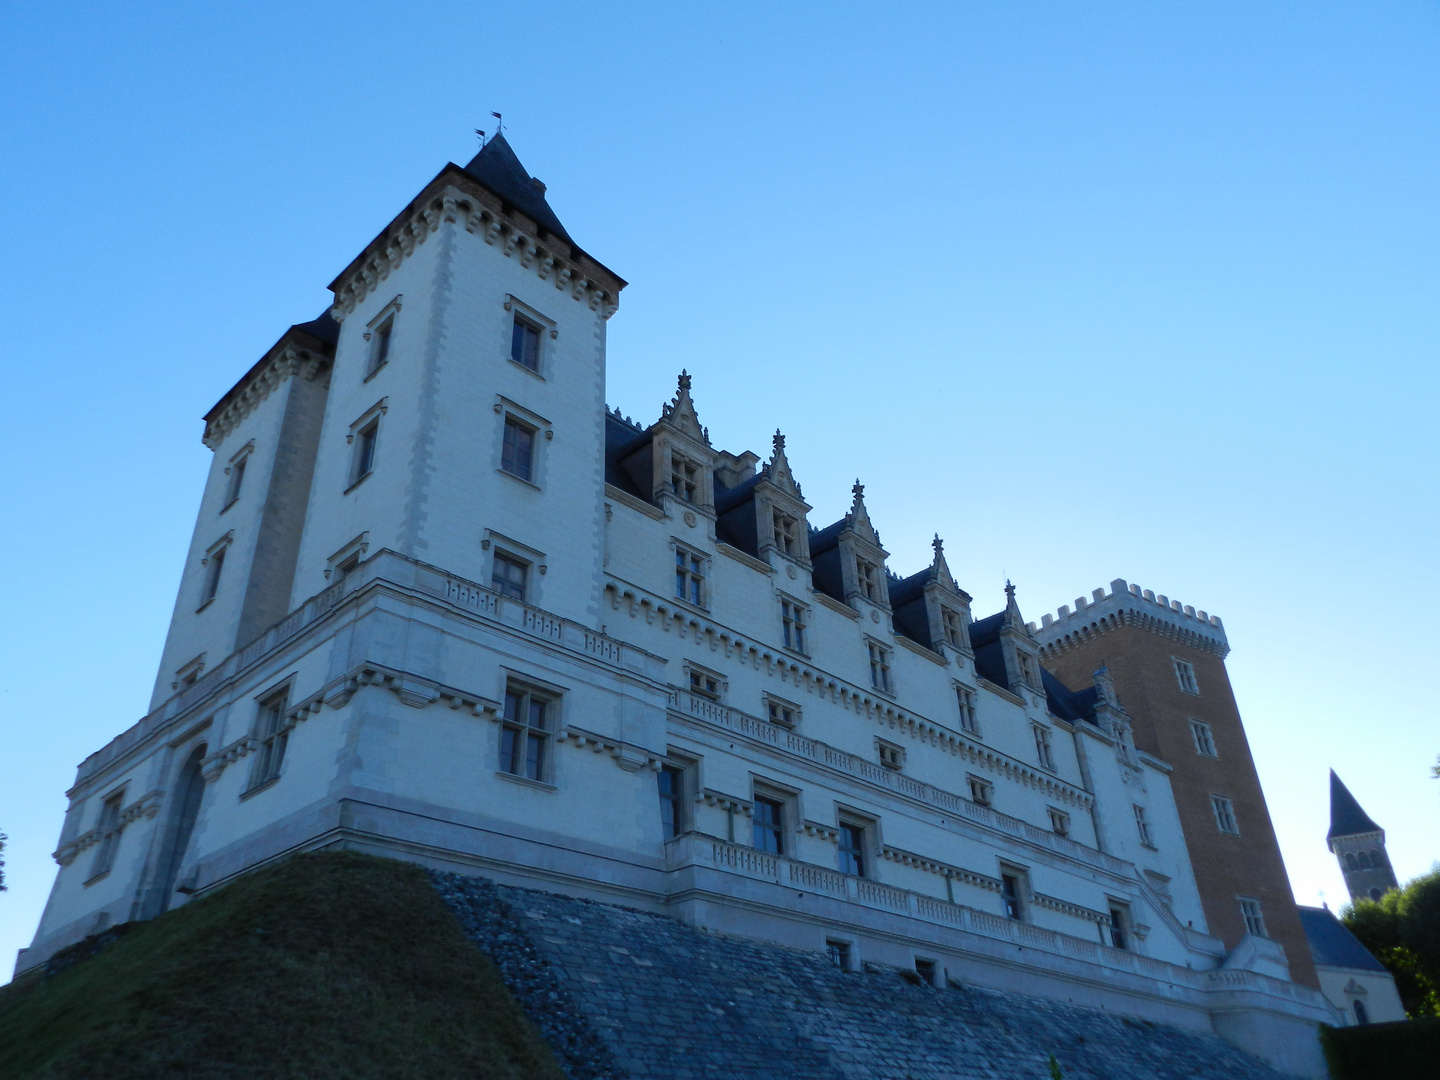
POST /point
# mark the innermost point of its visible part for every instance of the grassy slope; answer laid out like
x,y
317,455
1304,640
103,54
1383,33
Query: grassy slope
x,y
322,966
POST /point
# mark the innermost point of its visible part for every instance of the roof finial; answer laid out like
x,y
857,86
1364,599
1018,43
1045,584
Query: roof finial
x,y
482,138
779,442
939,546
1009,590
499,124
684,381
858,490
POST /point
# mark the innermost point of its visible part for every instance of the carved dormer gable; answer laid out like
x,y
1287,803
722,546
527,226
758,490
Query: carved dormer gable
x,y
682,459
780,510
1022,654
947,606
862,559
859,518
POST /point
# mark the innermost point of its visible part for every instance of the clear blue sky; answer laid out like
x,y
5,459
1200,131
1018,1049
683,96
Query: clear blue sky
x,y
1093,290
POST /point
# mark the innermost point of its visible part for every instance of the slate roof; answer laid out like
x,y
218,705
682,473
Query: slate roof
x,y
1067,704
497,167
1346,817
621,439
1331,944
324,329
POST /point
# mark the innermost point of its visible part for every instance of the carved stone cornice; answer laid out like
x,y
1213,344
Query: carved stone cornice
x,y
147,806
455,197
287,362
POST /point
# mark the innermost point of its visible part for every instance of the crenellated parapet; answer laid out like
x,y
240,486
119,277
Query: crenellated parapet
x,y
1129,605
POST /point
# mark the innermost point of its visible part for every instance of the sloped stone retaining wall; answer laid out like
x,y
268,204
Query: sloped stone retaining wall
x,y
625,994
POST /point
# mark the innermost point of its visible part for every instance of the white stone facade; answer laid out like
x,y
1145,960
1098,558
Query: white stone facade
x,y
391,672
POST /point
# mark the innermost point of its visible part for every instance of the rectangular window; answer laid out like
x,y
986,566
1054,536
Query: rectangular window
x,y
525,732
380,345
517,452
891,756
1204,738
1254,918
928,971
272,734
525,344
684,478
787,532
838,952
1224,814
782,713
867,579
879,667
704,684
689,576
507,576
364,462
767,832
1059,822
1119,925
1012,901
1042,746
1185,674
1025,664
672,801
966,698
109,830
982,793
851,841
237,479
213,565
951,626
1142,826
792,625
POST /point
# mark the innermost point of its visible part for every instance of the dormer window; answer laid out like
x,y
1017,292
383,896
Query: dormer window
x,y
867,578
1025,667
684,478
951,626
787,530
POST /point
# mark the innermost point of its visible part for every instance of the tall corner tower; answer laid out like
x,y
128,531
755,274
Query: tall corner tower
x,y
1359,845
1168,665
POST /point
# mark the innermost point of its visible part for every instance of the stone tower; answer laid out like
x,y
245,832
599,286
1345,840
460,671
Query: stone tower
x,y
1359,846
1167,661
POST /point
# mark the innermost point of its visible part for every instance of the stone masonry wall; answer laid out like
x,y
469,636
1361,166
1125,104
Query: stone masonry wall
x,y
621,993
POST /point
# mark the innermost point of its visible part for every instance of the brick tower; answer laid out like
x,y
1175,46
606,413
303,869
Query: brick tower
x,y
1168,665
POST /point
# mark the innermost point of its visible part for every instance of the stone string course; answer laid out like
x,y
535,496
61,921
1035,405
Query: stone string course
x,y
625,994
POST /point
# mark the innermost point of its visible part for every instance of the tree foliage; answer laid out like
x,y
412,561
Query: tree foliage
x,y
1402,929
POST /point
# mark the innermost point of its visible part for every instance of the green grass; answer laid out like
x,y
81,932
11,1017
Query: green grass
x,y
334,965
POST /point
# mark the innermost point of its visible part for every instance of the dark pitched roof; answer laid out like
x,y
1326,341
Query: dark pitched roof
x,y
1346,817
1067,704
826,538
497,167
324,329
989,655
1331,944
621,438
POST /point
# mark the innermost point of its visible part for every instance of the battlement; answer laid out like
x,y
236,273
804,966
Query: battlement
x,y
1126,604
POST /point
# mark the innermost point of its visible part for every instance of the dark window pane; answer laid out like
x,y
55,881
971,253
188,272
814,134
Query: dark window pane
x,y
525,345
534,756
515,456
507,750
767,834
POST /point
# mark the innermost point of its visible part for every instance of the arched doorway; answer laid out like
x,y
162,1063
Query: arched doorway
x,y
189,789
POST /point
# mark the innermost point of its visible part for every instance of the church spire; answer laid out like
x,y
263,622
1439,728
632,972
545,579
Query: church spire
x,y
1346,816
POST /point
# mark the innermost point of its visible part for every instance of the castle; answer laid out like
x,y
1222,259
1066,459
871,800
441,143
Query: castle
x,y
441,603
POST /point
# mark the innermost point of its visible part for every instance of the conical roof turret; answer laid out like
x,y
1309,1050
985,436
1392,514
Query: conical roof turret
x,y
497,167
1346,816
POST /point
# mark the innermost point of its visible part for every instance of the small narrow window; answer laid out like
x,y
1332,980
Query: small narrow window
x,y
1011,900
787,531
684,478
951,625
1254,918
272,734
689,576
966,699
793,624
1142,826
525,344
1224,815
838,953
346,568
672,801
1204,738
1025,667
879,667
507,576
380,345
866,579
525,733
109,830
237,480
214,565
518,450
704,684
1362,1017
981,791
1042,746
928,971
365,440
891,756
766,820
1119,926
782,713
1059,822
1185,674
851,841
